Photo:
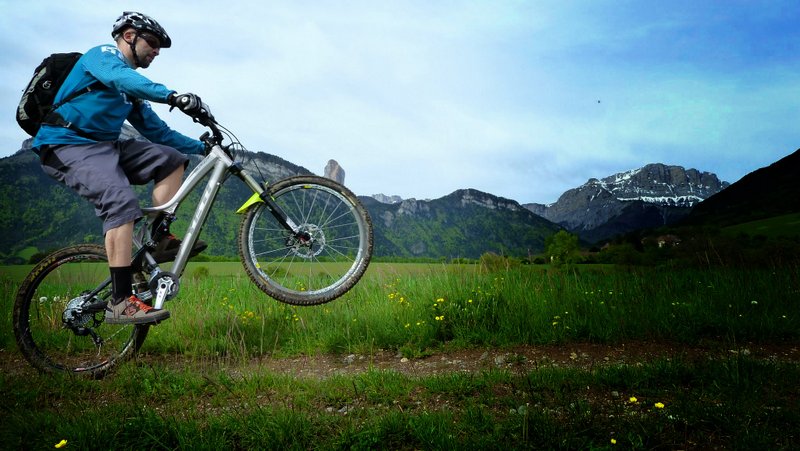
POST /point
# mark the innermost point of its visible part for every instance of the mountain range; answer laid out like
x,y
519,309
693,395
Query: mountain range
x,y
652,196
649,197
38,214
465,223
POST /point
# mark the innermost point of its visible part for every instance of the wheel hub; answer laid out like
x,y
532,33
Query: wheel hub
x,y
311,244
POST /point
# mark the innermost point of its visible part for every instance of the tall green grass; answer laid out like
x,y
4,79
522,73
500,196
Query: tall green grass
x,y
676,401
414,308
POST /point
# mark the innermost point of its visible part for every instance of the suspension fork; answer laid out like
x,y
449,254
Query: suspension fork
x,y
276,211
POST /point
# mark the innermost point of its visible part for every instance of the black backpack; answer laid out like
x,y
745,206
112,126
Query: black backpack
x,y
37,100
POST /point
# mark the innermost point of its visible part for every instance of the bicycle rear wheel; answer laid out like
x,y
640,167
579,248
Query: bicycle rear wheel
x,y
59,314
308,272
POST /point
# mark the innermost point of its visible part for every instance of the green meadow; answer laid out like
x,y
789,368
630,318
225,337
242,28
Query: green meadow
x,y
197,381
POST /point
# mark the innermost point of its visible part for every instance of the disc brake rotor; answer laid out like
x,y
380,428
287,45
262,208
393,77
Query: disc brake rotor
x,y
311,247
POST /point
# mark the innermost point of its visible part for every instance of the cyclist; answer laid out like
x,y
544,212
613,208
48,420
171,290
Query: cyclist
x,y
80,147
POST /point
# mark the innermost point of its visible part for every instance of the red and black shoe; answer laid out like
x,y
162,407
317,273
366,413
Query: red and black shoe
x,y
133,311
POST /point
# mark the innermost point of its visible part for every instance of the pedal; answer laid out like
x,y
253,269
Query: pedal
x,y
165,286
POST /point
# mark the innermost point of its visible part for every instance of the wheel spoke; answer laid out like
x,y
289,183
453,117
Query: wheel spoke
x,y
313,271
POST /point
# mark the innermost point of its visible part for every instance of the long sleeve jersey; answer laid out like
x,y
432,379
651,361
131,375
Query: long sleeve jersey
x,y
100,113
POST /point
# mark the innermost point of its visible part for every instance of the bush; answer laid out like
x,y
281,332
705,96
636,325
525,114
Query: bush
x,y
562,248
491,262
201,272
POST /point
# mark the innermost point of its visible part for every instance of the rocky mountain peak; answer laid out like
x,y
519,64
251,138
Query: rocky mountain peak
x,y
384,199
481,199
660,184
662,193
334,172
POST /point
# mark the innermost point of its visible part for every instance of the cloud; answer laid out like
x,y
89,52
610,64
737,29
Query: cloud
x,y
520,99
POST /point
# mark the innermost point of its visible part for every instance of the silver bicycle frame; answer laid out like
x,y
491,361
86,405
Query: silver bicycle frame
x,y
217,163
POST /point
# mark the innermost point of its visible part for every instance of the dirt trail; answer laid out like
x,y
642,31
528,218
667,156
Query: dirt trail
x,y
518,358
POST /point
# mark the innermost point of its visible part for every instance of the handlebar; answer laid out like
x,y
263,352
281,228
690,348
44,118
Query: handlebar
x,y
205,118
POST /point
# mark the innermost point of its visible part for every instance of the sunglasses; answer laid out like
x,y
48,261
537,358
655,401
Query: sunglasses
x,y
151,40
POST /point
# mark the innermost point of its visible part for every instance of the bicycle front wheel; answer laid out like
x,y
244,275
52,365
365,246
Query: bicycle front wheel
x,y
313,271
59,314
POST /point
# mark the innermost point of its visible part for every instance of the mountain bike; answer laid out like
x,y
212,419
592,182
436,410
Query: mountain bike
x,y
304,240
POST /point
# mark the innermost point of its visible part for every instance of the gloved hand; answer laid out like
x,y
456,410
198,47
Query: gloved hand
x,y
188,103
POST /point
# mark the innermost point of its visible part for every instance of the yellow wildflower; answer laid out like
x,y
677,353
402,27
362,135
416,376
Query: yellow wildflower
x,y
613,441
633,399
659,405
61,444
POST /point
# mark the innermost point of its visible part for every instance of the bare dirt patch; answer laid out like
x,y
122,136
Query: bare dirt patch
x,y
518,358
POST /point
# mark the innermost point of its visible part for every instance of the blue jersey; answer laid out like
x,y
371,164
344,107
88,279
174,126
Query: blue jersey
x,y
101,113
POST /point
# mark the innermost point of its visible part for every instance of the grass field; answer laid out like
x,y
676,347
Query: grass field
x,y
786,225
201,381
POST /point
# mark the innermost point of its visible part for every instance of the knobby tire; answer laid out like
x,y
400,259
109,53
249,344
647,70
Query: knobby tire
x,y
314,272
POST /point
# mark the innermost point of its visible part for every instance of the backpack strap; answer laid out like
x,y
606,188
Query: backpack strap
x,y
56,119
53,118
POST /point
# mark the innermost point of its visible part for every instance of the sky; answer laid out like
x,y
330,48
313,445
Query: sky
x,y
419,98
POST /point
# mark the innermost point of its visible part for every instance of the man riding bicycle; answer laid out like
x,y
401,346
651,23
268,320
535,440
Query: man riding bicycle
x,y
79,146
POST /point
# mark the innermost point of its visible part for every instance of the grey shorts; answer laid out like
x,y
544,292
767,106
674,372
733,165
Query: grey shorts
x,y
103,173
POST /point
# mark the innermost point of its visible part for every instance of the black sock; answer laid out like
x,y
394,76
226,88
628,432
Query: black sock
x,y
121,279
